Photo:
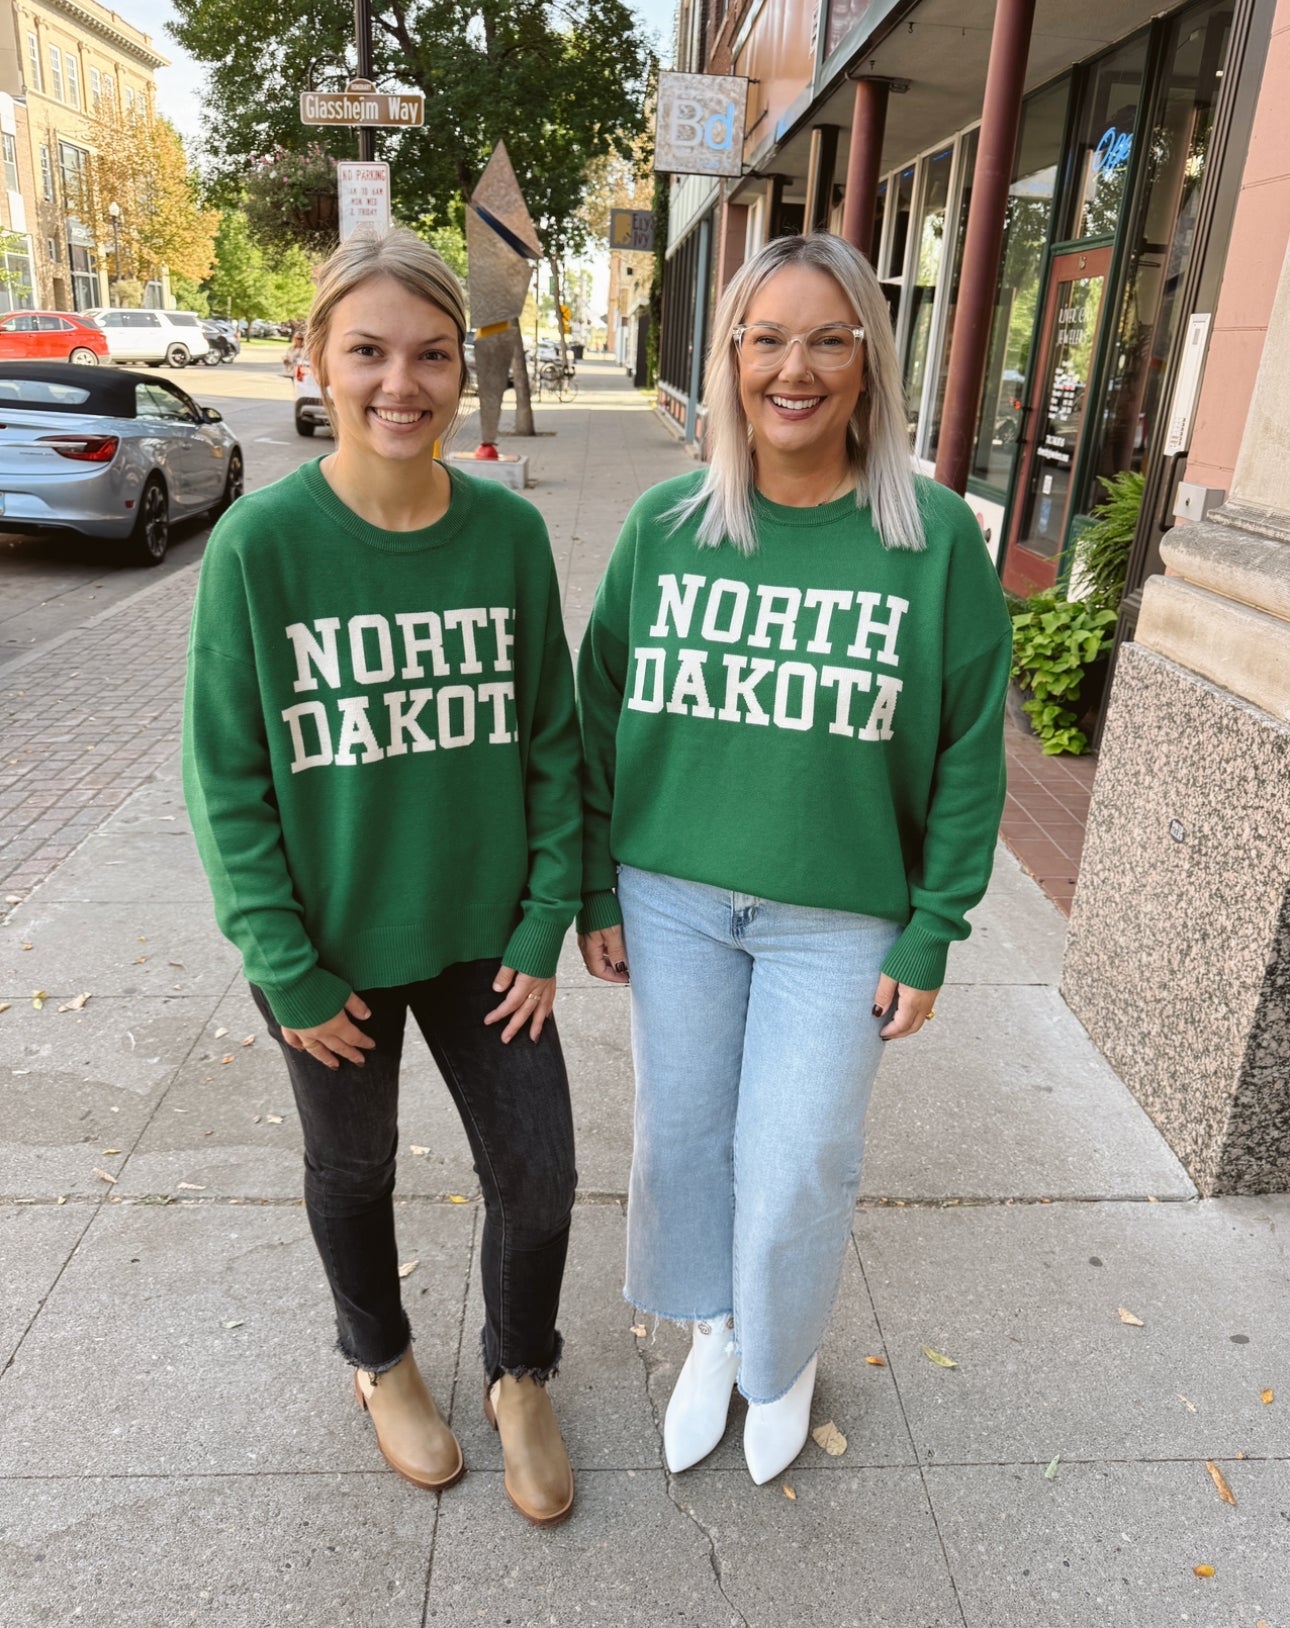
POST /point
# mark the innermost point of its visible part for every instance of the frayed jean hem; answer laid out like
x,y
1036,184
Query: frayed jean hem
x,y
374,1370
521,1370
686,1320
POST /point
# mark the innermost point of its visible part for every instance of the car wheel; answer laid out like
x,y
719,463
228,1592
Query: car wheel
x,y
151,535
154,364
83,356
234,483
304,426
176,356
212,357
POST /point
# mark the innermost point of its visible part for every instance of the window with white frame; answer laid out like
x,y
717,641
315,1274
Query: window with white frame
x,y
96,86
46,173
109,88
73,81
18,283
10,162
129,98
56,72
33,63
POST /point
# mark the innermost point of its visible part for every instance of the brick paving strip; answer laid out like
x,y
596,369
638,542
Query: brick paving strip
x,y
84,722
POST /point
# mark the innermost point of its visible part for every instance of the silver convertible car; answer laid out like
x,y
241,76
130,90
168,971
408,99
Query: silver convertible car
x,y
106,453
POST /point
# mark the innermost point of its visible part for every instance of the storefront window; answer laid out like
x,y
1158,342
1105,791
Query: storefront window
x,y
1025,243
1104,140
879,215
929,246
967,163
1162,243
901,205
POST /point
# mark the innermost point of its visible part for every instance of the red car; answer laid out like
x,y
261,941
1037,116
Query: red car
x,y
50,336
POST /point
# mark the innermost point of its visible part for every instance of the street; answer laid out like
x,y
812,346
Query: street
x,y
49,585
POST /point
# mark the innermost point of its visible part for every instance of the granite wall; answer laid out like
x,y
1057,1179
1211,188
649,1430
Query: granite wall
x,y
1178,957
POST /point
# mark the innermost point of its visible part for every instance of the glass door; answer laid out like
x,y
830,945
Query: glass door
x,y
1058,418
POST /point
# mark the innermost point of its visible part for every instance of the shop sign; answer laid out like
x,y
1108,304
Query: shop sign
x,y
364,191
1112,151
699,127
631,229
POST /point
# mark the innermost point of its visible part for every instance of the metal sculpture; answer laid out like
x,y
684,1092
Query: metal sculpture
x,y
500,244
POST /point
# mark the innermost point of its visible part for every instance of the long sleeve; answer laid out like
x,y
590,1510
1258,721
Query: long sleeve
x,y
552,804
228,784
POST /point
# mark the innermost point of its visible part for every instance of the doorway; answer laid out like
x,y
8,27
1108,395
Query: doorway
x,y
1050,444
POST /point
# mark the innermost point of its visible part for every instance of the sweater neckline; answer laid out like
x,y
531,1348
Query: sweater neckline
x,y
442,531
817,514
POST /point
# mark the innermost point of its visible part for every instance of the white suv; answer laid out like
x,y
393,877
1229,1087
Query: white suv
x,y
173,337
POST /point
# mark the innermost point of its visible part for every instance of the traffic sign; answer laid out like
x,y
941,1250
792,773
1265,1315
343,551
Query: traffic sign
x,y
364,191
362,105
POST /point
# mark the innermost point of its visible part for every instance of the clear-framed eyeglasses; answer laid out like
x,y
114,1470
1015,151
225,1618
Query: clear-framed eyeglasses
x,y
764,346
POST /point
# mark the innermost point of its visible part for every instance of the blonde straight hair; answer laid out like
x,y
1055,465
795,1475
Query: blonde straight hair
x,y
406,258
877,435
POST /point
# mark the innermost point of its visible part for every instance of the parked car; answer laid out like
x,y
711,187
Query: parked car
x,y
260,329
224,344
173,337
310,412
51,336
105,453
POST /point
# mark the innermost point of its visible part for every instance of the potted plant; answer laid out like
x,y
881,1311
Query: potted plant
x,y
291,196
1062,646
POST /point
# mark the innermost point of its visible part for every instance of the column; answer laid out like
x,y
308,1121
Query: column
x,y
864,162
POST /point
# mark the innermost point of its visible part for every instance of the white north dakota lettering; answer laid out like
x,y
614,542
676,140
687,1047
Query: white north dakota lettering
x,y
342,731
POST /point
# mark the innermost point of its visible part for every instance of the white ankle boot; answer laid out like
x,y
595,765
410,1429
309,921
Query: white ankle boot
x,y
696,1413
775,1432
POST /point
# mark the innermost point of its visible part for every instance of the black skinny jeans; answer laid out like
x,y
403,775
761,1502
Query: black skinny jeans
x,y
514,1105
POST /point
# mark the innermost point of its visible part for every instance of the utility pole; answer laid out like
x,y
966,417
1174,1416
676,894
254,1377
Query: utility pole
x,y
363,35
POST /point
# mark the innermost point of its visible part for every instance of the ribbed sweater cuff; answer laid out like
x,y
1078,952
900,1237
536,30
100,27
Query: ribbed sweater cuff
x,y
534,946
917,959
599,910
313,999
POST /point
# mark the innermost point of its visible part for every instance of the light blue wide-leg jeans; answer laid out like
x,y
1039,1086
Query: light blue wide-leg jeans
x,y
755,1051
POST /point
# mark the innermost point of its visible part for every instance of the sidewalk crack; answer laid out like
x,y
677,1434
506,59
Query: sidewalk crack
x,y
670,1487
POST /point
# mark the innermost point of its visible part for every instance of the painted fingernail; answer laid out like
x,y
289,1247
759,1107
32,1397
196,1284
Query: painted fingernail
x,y
877,1011
620,966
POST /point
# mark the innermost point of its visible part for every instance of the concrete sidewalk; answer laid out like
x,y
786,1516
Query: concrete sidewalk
x,y
177,1441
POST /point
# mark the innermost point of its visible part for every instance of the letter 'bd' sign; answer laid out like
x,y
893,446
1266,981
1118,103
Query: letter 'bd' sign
x,y
700,124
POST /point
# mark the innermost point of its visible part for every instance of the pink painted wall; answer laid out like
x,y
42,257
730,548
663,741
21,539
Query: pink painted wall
x,y
1260,233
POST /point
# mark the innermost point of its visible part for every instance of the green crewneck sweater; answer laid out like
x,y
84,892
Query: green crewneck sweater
x,y
819,723
380,743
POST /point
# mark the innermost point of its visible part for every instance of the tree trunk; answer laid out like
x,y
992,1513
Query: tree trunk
x,y
523,400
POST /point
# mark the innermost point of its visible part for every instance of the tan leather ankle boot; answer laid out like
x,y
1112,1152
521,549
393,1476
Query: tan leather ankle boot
x,y
539,1477
409,1429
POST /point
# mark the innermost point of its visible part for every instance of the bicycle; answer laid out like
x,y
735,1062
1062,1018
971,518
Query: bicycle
x,y
558,378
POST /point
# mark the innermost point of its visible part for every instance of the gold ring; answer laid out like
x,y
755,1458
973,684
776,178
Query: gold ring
x,y
530,997
931,1015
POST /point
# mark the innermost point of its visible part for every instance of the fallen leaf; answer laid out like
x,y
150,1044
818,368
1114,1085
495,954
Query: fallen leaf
x,y
1267,1396
62,1198
1050,1474
1242,1453
108,1152
227,1059
188,1187
1203,1571
830,1439
157,1198
876,1362
255,1119
456,1198
249,1041
638,1329
1129,1318
1224,1491
408,1268
235,1322
78,1005
789,1493
273,1119
938,1359
38,998
26,946
1187,1402
5,1005
103,1175
220,1033
139,960
416,1152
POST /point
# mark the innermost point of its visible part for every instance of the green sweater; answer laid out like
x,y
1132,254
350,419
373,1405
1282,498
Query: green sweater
x,y
380,744
819,723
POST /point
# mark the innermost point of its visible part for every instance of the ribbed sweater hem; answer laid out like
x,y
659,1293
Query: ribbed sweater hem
x,y
917,959
599,910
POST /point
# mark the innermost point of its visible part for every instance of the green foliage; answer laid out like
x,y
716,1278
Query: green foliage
x,y
189,296
252,279
1102,552
561,85
290,197
1054,641
291,283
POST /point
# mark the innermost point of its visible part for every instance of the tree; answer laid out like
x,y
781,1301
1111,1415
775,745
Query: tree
x,y
562,86
138,163
188,296
238,285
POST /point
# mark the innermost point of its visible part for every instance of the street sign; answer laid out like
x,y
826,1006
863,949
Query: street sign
x,y
631,229
364,191
360,104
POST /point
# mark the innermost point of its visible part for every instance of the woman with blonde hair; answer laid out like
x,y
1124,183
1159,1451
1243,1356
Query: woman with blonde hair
x,y
792,704
381,762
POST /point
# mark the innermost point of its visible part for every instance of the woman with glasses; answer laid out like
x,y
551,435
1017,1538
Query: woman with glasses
x,y
381,764
792,702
